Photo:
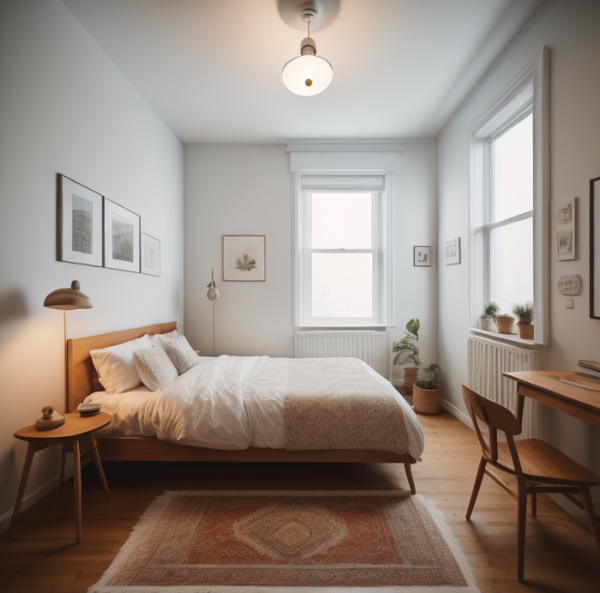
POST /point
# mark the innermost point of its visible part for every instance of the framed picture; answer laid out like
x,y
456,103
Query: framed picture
x,y
565,237
421,255
79,234
564,242
244,258
595,248
121,238
452,252
150,255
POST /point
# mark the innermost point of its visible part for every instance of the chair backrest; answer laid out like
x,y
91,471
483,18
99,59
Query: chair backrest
x,y
496,418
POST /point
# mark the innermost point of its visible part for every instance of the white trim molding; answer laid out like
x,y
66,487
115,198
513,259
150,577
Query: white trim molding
x,y
529,87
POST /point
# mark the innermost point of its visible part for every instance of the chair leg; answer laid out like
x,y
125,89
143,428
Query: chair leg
x,y
588,505
476,487
533,504
521,524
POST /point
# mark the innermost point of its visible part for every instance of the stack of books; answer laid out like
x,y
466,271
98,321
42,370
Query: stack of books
x,y
589,369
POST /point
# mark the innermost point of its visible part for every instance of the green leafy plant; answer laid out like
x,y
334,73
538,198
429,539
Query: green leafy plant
x,y
430,372
408,353
524,312
490,309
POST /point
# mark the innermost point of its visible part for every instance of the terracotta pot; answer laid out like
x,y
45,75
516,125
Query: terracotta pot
x,y
525,330
505,324
410,376
426,401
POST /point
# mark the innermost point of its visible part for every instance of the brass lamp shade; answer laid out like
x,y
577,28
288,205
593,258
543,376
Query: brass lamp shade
x,y
68,299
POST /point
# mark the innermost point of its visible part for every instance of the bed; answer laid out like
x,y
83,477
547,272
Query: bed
x,y
83,383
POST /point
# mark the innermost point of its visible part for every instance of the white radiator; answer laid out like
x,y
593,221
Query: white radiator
x,y
487,360
371,346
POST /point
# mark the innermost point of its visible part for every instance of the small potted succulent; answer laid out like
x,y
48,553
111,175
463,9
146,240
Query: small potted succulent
x,y
408,353
525,315
490,310
426,394
504,323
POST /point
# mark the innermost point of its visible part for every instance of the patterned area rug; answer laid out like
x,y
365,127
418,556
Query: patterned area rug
x,y
228,542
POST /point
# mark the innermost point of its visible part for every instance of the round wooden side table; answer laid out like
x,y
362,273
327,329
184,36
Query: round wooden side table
x,y
76,428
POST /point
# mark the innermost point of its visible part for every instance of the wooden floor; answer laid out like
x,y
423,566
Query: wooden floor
x,y
561,555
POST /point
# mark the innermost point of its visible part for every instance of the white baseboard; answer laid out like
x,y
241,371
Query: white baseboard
x,y
456,412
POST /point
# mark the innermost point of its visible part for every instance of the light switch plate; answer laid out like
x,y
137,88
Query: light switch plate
x,y
569,303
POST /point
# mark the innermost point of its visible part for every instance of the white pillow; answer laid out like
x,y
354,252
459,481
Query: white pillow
x,y
155,368
162,339
115,366
181,354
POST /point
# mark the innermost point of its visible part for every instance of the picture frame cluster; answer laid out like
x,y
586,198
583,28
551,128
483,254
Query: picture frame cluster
x,y
96,231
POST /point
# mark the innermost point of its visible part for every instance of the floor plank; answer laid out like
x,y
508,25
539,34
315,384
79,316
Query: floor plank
x,y
561,554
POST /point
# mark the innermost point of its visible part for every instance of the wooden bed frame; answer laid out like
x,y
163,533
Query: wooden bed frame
x,y
83,380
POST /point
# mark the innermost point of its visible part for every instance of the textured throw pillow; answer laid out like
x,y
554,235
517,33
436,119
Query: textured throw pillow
x,y
115,367
155,368
181,354
162,339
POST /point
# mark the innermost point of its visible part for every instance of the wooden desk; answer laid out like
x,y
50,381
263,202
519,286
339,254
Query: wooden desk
x,y
75,429
544,387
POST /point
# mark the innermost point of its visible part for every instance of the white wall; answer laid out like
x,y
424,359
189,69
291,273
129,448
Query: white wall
x,y
247,189
569,29
65,108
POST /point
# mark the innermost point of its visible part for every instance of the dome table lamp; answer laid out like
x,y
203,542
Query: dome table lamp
x,y
213,294
68,299
307,74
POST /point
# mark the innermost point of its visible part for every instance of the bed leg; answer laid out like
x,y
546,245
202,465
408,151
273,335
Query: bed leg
x,y
411,482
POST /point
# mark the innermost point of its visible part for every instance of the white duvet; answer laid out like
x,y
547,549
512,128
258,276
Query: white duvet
x,y
228,402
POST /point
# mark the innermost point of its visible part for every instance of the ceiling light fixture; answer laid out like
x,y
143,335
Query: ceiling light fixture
x,y
307,74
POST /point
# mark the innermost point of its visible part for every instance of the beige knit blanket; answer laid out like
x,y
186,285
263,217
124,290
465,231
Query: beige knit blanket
x,y
335,403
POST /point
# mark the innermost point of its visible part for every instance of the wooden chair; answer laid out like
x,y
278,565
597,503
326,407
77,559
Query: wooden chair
x,y
538,467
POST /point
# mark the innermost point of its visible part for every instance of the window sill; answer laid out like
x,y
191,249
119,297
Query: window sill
x,y
335,327
513,338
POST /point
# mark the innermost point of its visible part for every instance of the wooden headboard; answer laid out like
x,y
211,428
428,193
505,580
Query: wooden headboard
x,y
82,378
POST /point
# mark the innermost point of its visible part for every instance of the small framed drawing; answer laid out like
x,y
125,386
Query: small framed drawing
x,y
595,248
564,241
565,238
150,255
244,258
79,236
121,238
421,255
452,252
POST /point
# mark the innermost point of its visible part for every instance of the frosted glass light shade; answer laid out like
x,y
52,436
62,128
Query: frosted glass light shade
x,y
307,75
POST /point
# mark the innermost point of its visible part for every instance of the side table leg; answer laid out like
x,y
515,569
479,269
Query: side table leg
x,y
77,479
22,485
96,456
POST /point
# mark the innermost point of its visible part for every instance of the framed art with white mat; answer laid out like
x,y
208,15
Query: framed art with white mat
x,y
244,258
150,255
121,238
79,223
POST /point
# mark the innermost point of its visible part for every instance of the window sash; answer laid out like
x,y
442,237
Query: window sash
x,y
304,274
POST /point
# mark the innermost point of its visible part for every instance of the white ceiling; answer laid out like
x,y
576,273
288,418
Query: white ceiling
x,y
211,69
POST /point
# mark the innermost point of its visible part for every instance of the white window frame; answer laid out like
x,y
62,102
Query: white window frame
x,y
529,87
381,249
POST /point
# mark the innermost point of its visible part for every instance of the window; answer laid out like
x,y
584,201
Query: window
x,y
509,230
342,256
508,196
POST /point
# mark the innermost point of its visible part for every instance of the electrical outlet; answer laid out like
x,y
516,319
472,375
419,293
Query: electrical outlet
x,y
569,303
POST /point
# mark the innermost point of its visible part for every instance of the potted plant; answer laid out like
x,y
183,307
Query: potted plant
x,y
504,323
408,353
490,310
426,394
525,315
